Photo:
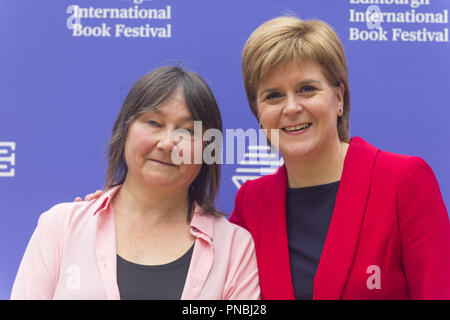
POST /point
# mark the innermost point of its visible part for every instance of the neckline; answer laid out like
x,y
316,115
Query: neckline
x,y
185,258
316,187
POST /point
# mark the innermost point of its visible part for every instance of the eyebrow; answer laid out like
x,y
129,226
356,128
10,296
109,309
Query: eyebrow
x,y
187,119
184,119
301,83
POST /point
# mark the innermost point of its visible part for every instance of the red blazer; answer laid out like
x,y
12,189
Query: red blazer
x,y
389,236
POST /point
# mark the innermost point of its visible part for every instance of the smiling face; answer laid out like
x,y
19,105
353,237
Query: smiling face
x,y
298,100
150,141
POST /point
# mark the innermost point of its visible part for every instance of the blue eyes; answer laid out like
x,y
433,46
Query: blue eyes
x,y
155,124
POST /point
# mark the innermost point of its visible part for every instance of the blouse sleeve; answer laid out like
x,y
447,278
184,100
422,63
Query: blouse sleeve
x,y
425,232
243,283
38,272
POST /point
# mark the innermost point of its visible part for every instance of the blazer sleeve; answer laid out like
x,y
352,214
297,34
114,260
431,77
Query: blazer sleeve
x,y
425,232
38,271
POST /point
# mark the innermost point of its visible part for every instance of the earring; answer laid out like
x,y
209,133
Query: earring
x,y
340,111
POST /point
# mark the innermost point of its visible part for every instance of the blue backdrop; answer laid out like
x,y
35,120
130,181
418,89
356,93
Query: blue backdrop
x,y
60,92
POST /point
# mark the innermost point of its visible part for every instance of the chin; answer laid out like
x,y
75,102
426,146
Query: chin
x,y
160,180
297,150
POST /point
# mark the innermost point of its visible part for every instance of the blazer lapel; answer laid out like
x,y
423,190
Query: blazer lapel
x,y
348,215
275,269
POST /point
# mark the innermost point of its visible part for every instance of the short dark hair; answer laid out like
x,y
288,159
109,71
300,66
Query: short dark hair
x,y
153,90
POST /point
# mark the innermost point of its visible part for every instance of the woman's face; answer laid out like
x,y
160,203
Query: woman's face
x,y
298,100
151,139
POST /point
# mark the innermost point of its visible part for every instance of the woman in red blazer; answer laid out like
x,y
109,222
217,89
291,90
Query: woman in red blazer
x,y
388,235
341,219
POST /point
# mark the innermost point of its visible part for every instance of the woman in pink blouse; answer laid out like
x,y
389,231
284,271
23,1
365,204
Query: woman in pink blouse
x,y
155,232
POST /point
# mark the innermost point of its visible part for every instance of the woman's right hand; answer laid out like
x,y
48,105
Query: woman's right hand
x,y
90,196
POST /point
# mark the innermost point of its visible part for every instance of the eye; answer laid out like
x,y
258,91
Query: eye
x,y
191,131
185,131
273,95
153,123
308,89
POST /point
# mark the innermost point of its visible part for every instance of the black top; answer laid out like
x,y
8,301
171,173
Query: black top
x,y
160,282
308,216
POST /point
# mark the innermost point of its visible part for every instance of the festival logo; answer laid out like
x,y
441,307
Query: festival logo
x,y
121,19
7,159
258,161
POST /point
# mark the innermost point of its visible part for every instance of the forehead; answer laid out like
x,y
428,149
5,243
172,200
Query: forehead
x,y
174,107
292,71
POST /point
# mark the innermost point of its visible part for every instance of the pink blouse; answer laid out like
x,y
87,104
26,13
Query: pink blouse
x,y
72,255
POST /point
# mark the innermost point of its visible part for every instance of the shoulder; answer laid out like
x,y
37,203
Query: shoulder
x,y
252,197
65,214
259,185
415,176
56,225
228,232
401,161
411,177
403,166
397,165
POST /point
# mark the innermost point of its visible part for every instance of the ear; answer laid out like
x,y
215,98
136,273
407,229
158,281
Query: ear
x,y
340,92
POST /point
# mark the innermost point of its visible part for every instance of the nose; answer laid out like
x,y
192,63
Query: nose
x,y
167,141
292,107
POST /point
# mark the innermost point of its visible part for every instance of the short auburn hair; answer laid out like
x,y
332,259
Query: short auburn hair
x,y
290,39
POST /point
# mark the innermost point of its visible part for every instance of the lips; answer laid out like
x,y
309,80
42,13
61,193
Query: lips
x,y
162,162
297,127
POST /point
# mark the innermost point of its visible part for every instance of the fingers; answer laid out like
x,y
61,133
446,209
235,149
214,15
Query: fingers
x,y
94,195
90,196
